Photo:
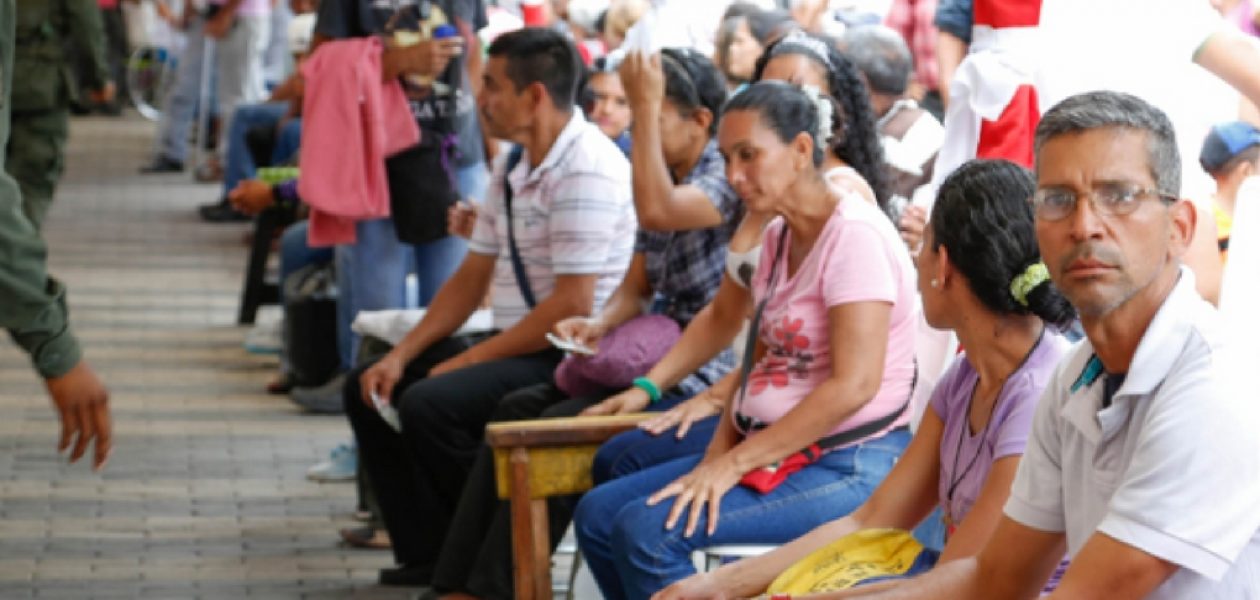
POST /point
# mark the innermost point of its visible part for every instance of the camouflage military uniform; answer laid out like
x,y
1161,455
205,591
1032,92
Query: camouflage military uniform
x,y
45,80
32,304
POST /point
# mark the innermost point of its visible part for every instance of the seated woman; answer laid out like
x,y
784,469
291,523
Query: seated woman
x,y
854,163
687,212
979,275
819,420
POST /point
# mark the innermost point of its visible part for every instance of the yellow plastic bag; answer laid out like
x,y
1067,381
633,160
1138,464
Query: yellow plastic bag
x,y
862,556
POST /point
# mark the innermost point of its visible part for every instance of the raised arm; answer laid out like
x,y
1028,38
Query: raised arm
x,y
660,204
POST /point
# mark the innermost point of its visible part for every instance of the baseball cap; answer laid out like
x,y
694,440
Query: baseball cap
x,y
1224,142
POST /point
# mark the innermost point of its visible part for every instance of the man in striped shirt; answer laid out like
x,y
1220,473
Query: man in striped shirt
x,y
553,241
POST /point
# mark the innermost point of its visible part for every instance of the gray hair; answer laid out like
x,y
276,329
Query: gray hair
x,y
882,55
1105,109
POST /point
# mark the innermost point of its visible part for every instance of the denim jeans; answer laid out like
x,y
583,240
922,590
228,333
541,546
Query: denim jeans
x,y
372,272
239,165
632,555
180,103
635,450
295,253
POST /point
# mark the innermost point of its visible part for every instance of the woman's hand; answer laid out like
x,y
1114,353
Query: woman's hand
x,y
701,586
585,331
700,406
643,79
630,401
704,485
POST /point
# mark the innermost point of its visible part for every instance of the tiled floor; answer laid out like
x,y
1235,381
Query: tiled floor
x,y
205,495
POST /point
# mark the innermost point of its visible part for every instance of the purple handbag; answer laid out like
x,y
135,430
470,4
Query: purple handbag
x,y
628,351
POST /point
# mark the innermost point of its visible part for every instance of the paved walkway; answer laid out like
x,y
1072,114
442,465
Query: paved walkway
x,y
205,495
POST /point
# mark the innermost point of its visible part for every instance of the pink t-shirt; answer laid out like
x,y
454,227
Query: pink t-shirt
x,y
857,258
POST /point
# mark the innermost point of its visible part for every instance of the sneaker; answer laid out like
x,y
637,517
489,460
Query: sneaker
x,y
342,465
325,399
265,337
221,212
162,164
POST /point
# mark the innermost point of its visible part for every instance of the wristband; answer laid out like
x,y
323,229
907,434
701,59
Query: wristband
x,y
645,384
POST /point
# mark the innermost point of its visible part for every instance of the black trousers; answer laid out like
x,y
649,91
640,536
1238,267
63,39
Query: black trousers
x,y
476,557
418,474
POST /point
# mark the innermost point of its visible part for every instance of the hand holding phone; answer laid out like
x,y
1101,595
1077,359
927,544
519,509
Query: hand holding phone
x,y
388,413
569,345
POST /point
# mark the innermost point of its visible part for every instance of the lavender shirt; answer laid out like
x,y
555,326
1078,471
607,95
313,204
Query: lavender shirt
x,y
1006,434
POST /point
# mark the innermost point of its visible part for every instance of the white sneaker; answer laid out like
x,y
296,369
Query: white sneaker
x,y
342,465
266,337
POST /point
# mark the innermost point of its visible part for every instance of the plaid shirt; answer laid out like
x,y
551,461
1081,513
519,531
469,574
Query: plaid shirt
x,y
914,20
685,267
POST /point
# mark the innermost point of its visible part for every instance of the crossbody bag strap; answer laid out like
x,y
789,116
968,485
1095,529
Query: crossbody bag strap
x,y
750,343
868,429
518,266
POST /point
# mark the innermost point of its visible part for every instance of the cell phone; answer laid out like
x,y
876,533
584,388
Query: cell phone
x,y
569,345
388,413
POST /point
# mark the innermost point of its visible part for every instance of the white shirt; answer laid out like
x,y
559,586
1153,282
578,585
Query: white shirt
x,y
573,215
1169,468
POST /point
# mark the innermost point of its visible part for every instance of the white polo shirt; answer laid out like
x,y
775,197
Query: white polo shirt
x,y
1172,467
572,215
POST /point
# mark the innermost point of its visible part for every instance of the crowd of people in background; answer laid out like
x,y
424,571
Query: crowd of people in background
x,y
881,278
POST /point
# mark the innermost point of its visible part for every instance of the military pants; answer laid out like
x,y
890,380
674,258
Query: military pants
x,y
36,157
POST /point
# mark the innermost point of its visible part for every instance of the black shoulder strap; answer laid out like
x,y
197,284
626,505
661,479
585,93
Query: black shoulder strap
x,y
518,266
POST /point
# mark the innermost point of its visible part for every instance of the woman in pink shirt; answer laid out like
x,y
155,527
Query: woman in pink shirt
x,y
823,413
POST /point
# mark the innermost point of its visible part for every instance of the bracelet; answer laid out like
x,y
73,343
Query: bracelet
x,y
645,384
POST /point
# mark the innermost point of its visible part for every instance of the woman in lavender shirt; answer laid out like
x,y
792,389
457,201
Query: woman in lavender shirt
x,y
980,275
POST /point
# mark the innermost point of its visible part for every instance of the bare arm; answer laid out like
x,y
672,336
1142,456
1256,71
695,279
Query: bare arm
x,y
710,332
856,374
1015,563
659,203
1203,256
1109,569
573,296
904,498
452,305
1231,56
626,302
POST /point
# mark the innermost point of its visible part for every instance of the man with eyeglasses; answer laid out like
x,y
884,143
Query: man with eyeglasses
x,y
1142,460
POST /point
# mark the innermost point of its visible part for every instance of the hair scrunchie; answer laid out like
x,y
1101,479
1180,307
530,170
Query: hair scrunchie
x,y
1024,283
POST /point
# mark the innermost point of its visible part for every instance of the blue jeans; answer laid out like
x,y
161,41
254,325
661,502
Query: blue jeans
x,y
632,556
372,272
239,165
295,253
635,450
180,103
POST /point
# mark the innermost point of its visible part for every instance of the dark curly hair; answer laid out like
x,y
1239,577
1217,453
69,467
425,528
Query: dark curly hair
x,y
856,140
983,217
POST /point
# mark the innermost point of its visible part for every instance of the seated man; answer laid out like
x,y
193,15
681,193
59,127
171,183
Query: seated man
x,y
1142,456
558,227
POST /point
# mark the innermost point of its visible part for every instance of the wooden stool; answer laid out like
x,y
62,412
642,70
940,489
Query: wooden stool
x,y
535,460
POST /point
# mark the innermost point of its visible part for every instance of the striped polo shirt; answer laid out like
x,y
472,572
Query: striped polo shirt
x,y
572,215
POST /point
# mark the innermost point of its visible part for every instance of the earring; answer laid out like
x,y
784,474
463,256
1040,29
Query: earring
x,y
934,283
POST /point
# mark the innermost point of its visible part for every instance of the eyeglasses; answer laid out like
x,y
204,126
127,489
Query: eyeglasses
x,y
1118,200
